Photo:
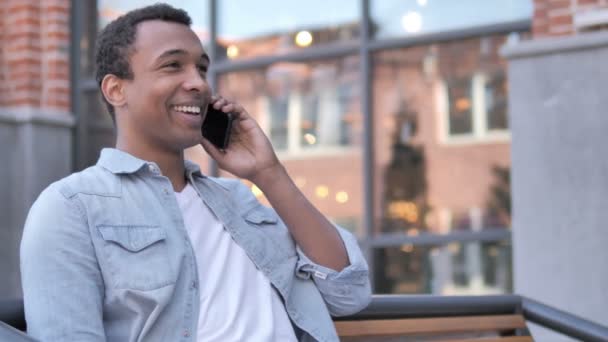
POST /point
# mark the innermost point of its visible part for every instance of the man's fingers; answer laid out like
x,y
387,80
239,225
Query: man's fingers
x,y
219,103
213,151
226,106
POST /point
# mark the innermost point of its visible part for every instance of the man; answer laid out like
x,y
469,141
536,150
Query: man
x,y
143,247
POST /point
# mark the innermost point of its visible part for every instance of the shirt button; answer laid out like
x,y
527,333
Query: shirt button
x,y
166,192
193,285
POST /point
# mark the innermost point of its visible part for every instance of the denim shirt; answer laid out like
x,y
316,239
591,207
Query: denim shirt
x,y
105,255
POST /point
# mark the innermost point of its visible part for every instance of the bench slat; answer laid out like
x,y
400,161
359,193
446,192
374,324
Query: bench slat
x,y
440,325
495,339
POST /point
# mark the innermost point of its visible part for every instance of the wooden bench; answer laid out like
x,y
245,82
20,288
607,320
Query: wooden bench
x,y
415,320
496,328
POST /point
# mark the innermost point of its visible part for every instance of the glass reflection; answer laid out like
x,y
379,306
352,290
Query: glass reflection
x,y
267,27
428,98
455,269
303,107
442,162
198,11
393,18
311,113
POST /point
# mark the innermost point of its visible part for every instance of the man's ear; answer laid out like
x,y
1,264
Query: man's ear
x,y
112,88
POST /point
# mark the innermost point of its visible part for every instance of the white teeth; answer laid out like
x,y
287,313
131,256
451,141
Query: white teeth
x,y
188,109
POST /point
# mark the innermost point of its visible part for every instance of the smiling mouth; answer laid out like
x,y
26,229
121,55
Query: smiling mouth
x,y
190,110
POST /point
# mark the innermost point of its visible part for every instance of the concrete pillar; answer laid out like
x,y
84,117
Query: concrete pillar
x,y
559,125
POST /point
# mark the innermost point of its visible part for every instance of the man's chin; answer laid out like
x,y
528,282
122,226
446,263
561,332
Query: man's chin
x,y
189,143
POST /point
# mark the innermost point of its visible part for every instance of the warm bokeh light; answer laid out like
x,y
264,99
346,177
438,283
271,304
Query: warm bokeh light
x,y
342,197
407,248
413,232
462,104
232,51
411,22
310,138
322,191
454,248
404,210
303,39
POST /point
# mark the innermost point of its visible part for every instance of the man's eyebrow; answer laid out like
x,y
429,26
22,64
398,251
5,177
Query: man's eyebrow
x,y
174,52
171,52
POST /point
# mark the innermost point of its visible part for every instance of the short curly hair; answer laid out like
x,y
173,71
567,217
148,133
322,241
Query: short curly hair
x,y
115,42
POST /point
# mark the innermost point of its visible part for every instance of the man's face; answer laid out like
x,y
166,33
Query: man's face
x,y
167,98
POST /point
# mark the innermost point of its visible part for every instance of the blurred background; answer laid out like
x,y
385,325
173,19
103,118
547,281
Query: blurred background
x,y
460,141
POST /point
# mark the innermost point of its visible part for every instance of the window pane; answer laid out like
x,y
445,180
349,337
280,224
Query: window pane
x,y
268,27
197,10
428,179
393,18
426,98
455,269
87,42
311,112
460,112
496,101
304,107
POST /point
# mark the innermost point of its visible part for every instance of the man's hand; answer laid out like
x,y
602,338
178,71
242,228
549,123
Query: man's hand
x,y
249,154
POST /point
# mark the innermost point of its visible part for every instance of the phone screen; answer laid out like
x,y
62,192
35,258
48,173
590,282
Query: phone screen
x,y
217,126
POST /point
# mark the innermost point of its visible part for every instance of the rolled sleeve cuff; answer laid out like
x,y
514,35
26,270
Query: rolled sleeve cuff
x,y
355,273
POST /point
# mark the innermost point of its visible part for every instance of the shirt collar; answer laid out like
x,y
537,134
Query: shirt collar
x,y
119,162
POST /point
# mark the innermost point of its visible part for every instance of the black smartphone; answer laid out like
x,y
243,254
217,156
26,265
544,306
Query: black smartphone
x,y
217,127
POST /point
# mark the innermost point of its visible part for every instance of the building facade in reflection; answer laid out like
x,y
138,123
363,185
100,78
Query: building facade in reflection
x,y
437,164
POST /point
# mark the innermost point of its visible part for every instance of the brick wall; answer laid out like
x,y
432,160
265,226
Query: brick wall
x,y
556,17
34,59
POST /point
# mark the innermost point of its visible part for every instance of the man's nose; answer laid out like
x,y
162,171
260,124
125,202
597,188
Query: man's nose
x,y
195,81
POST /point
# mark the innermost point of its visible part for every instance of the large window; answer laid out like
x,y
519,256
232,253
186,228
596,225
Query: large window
x,y
395,126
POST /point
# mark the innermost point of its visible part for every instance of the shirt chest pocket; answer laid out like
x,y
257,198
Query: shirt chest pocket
x,y
136,256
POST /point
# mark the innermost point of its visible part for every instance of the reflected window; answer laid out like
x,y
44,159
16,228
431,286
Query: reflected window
x,y
474,268
307,107
394,18
476,106
460,112
442,167
267,27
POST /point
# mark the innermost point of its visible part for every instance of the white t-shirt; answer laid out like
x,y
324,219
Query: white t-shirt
x,y
237,301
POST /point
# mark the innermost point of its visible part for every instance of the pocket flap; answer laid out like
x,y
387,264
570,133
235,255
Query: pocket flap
x,y
261,215
132,238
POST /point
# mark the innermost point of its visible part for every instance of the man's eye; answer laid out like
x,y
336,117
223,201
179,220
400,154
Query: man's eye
x,y
202,68
172,65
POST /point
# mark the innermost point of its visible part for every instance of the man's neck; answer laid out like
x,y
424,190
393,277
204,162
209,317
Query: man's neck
x,y
170,163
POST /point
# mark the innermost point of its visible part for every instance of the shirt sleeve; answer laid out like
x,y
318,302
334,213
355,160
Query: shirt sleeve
x,y
62,283
345,292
